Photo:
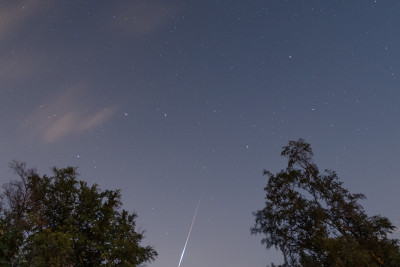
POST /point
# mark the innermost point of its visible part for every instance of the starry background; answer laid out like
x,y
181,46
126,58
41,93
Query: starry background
x,y
173,101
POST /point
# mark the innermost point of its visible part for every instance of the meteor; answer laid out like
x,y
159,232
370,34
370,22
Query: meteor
x,y
190,230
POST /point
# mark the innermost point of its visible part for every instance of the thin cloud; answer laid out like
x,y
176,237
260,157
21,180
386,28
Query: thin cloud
x,y
140,17
17,67
96,119
65,115
15,14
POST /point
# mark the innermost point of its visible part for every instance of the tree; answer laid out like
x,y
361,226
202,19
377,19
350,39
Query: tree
x,y
315,221
61,221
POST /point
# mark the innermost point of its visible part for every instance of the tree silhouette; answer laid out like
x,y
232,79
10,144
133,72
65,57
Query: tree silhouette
x,y
314,221
61,221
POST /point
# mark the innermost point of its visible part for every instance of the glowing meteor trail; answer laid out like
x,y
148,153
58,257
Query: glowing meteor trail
x,y
190,230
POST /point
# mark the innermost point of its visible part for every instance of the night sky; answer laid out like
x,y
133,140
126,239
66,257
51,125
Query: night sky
x,y
180,100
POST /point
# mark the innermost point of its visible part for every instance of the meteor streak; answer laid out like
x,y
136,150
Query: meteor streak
x,y
190,230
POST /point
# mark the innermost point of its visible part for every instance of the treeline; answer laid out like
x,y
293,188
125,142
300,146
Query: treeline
x,y
58,220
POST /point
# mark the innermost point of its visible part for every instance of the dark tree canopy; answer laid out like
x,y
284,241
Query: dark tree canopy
x,y
314,221
61,221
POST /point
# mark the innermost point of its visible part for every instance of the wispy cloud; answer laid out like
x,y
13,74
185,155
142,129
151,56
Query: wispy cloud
x,y
14,67
15,17
140,17
65,115
14,14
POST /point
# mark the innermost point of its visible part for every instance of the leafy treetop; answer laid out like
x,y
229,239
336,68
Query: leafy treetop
x,y
59,220
315,221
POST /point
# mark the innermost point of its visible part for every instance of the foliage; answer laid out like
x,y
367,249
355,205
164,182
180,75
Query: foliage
x,y
280,265
61,221
314,221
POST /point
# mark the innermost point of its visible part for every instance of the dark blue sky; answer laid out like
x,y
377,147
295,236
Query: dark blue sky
x,y
173,101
